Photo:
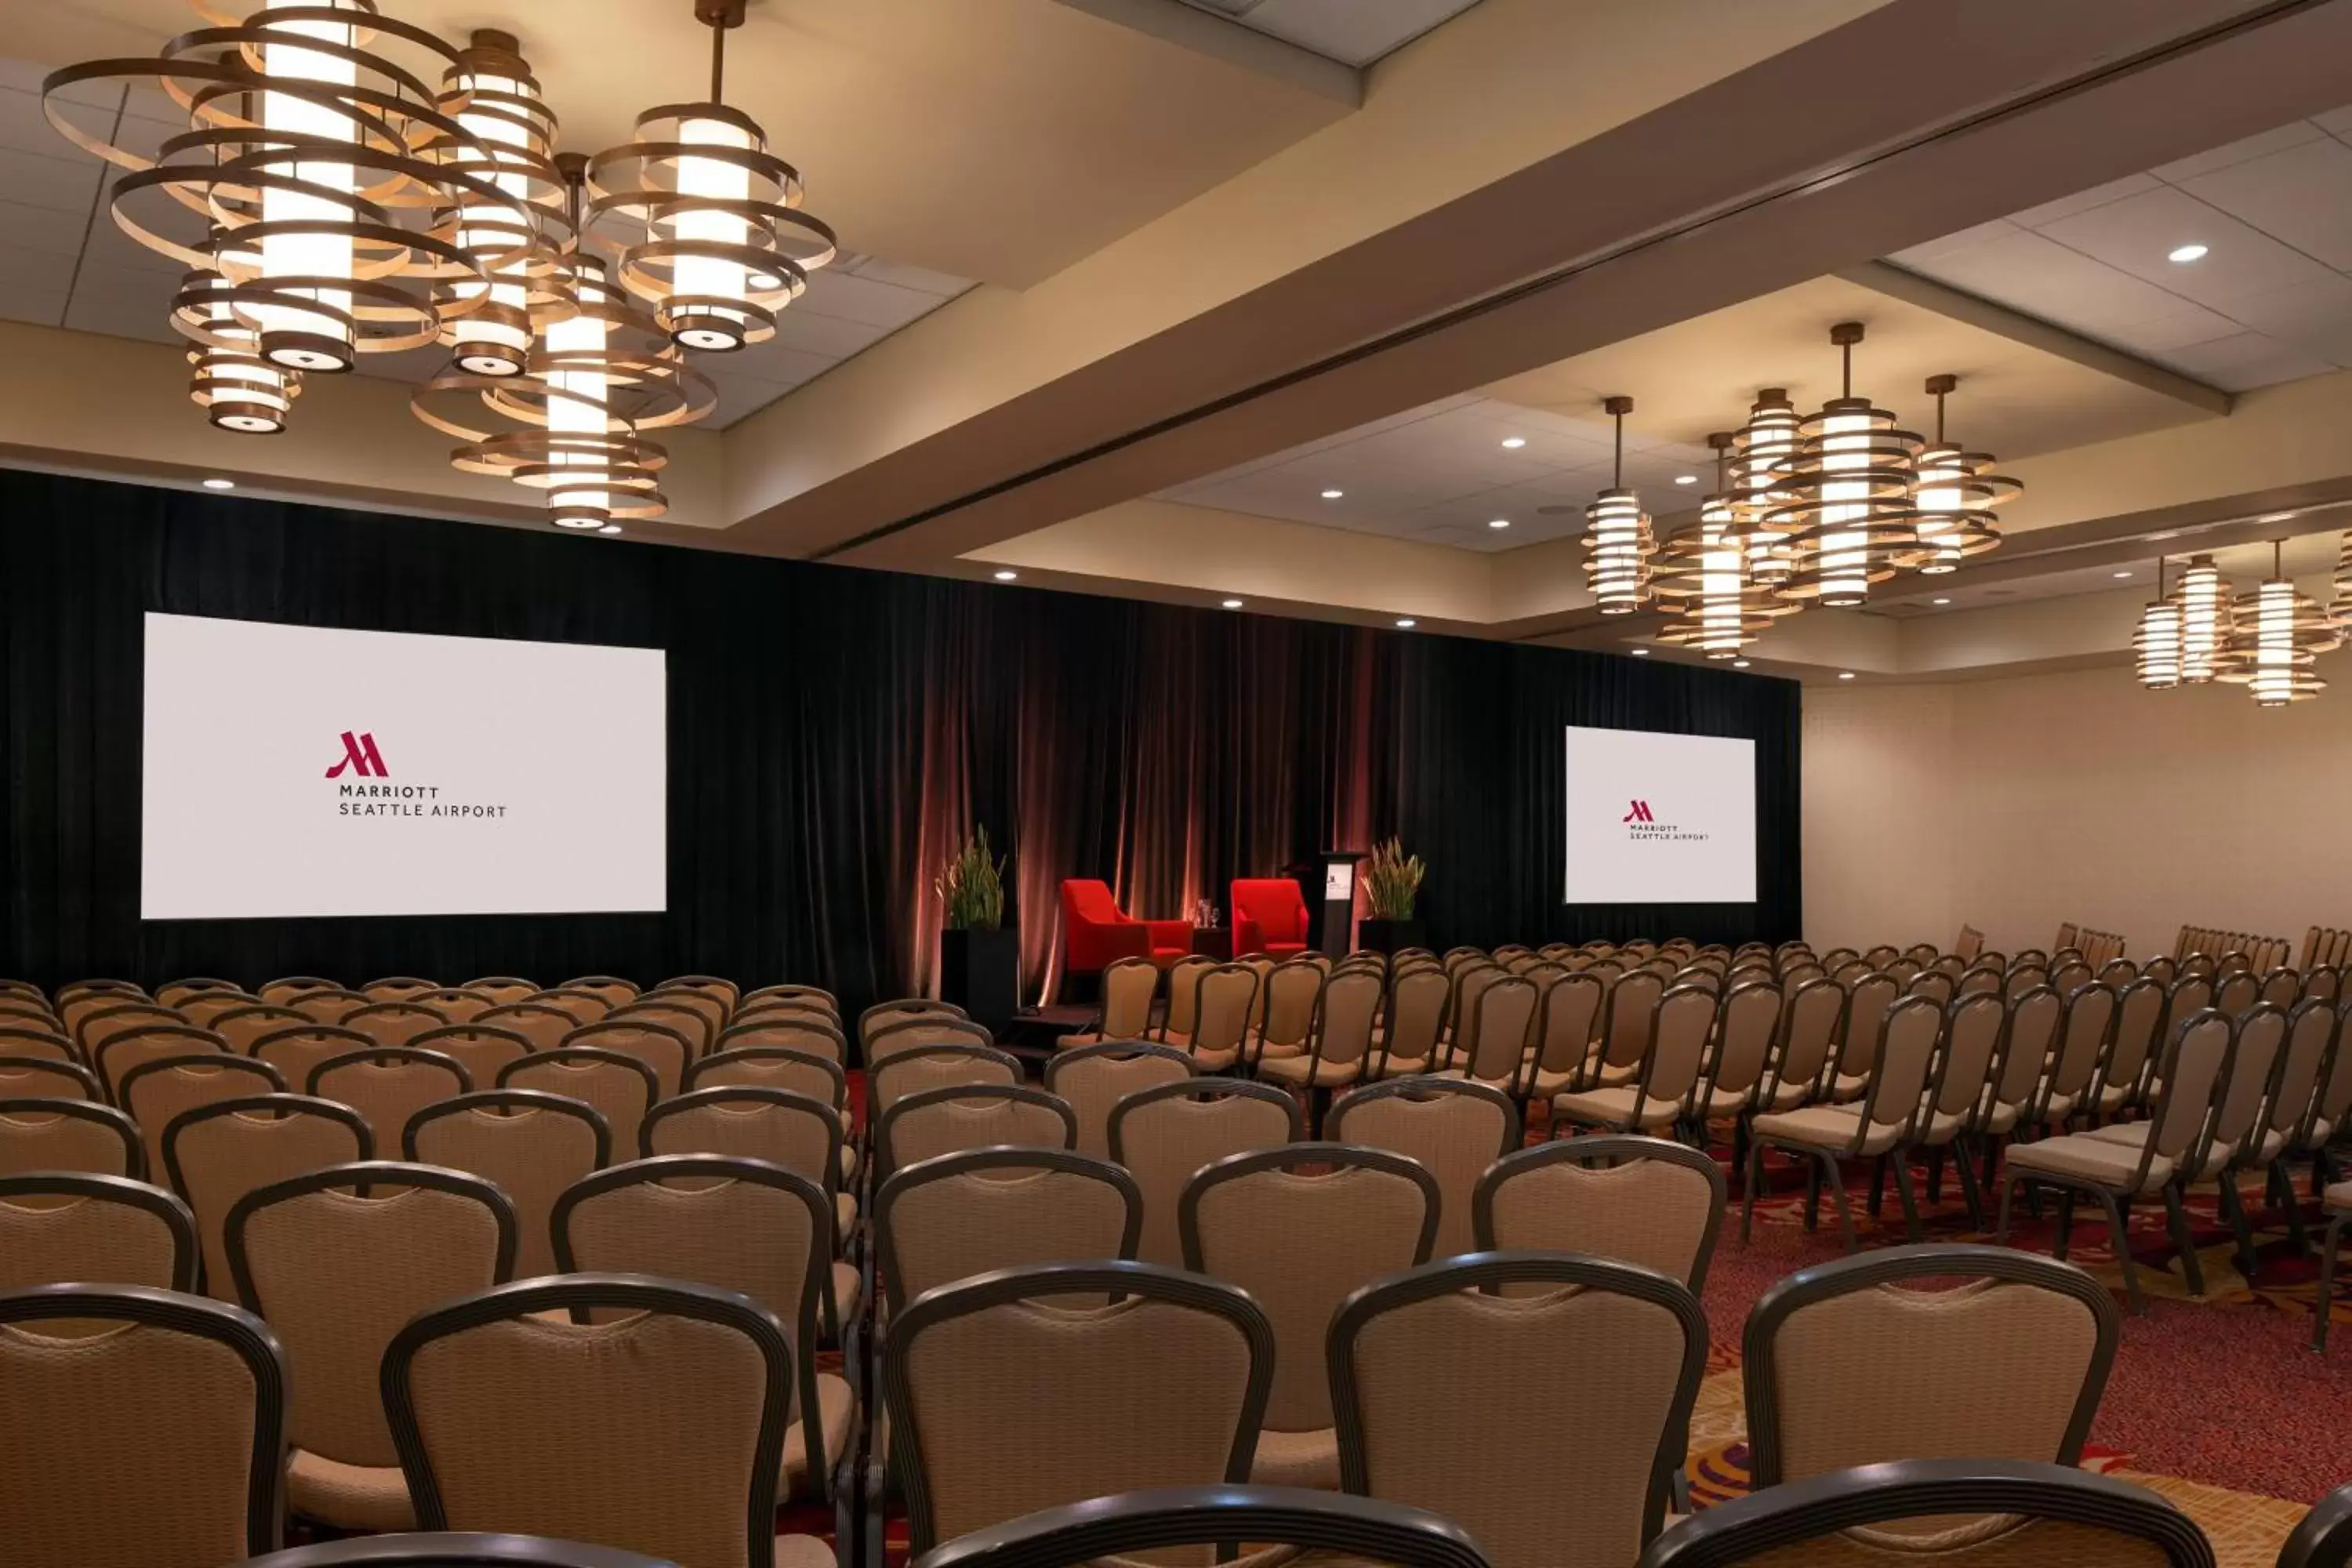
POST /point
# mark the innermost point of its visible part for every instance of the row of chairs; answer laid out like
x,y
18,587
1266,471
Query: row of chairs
x,y
2326,944
2265,952
2097,946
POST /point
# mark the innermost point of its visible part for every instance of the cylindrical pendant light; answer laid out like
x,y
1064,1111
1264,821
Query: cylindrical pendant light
x,y
2340,602
1704,570
2203,596
1762,452
490,320
2276,636
1617,539
1850,489
1956,494
706,217
2156,644
239,390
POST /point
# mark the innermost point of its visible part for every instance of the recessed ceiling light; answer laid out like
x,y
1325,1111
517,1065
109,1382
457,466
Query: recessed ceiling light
x,y
1513,443
1007,574
1407,623
610,528
1739,664
2266,516
2186,253
1333,495
1499,523
1232,604
1943,601
1685,479
2120,575
1845,675
1640,653
230,485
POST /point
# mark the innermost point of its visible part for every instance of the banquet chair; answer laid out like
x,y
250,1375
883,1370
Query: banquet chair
x,y
1428,1367
919,1127
92,1018
920,1031
60,1227
216,1153
1326,1527
1413,1025
1291,1000
452,1549
172,992
2120,1080
301,1048
582,1007
392,1023
812,996
1501,1025
503,990
387,1085
816,1033
154,1093
1299,1227
693,1016
957,1217
529,1145
328,1007
622,1090
155,1443
543,1026
636,1032
1130,987
2032,1515
1868,997
1165,1133
1452,1127
1028,1388
907,1009
80,1135
894,1077
113,1055
1627,1016
613,990
1660,1095
1225,999
1565,1020
725,992
508,1418
396,987
1649,1201
1342,1039
335,1261
1747,1026
277,992
26,1034
1091,1079
241,1025
818,1075
482,1050
201,1007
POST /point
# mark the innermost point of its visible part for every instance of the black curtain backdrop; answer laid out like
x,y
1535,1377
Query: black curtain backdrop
x,y
832,733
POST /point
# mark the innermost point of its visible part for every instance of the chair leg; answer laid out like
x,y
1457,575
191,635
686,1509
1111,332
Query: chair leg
x,y
2283,1188
1813,1195
1747,1198
1969,1193
1828,1163
2184,1240
2233,1209
1879,1186
2065,1224
1935,1174
1911,1228
2327,1303
2119,1242
2001,1229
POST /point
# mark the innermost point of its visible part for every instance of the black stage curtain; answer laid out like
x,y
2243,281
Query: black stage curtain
x,y
832,733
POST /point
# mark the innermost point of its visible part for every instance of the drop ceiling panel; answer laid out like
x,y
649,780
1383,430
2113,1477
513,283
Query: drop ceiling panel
x,y
1353,32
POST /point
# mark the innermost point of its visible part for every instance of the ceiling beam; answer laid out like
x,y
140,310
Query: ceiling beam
x,y
1173,23
1886,278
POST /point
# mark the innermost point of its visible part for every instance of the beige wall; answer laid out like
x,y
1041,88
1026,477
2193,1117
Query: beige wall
x,y
2013,804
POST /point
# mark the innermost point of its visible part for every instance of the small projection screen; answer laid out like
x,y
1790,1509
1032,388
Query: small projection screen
x,y
1660,819
304,771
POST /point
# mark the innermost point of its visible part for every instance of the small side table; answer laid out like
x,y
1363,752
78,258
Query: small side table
x,y
1213,942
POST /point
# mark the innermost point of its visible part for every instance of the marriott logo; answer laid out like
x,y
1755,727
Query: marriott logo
x,y
361,756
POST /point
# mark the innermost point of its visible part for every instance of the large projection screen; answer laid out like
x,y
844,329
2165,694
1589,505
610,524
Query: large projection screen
x,y
1660,819
301,771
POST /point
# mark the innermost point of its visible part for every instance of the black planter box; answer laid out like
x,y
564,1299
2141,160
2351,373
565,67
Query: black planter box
x,y
979,972
1390,936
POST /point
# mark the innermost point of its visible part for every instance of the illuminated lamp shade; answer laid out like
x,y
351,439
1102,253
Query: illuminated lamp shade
x,y
2275,636
1763,450
489,316
706,220
1850,490
1702,569
2156,645
1953,498
239,390
309,174
2203,598
2340,603
1617,539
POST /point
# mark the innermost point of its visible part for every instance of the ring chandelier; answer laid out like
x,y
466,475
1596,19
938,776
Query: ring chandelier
x,y
1806,510
348,183
2201,632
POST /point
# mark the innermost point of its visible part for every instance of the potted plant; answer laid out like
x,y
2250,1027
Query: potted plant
x,y
1391,886
980,957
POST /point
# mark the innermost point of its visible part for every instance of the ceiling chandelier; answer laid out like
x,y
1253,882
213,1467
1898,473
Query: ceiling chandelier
x,y
1762,452
1849,494
2156,644
1617,538
329,203
2203,597
2276,636
1705,570
1954,495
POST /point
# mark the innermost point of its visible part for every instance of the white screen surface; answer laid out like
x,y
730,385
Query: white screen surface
x,y
1660,819
294,771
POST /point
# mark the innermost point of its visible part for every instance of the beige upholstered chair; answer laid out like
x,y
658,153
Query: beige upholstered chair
x,y
69,1134
397,988
1452,1127
610,989
301,1049
482,1050
1868,996
1027,1388
154,1093
508,1418
1130,986
726,992
1852,1364
813,1073
950,1120
1884,1121
328,1007
542,1025
1292,1002
335,1261
216,1153
93,1018
1410,1035
47,1077
1662,1091
695,1015
178,992
809,995
1165,1133
1288,1524
1176,1022
278,992
2287,1107
531,1145
502,989
632,1032
1747,1025
1091,1079
621,1089
249,1021
1343,1043
1623,1038
922,1031
152,1444
794,1031
2194,1072
1644,1201
204,1007
882,1015
1299,1227
21,1036
2085,1029
2120,1080
2330,1104
1501,1028
584,1007
454,1003
387,1085
733,1225
1565,1017
1224,1006
392,1023
903,1073
960,1215
112,1056
1431,1370
57,1226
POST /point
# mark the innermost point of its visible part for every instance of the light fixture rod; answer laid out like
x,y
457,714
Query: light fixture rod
x,y
1938,387
1617,409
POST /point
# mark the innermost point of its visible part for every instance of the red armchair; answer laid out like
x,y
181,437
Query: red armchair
x,y
1095,933
1269,917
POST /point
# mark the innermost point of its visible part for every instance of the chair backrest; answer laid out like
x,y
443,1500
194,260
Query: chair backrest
x,y
153,1092
1628,1018
818,1075
949,1121
882,1015
57,1227
531,1145
1678,1047
482,1050
204,1007
2031,1040
1809,1024
621,1089
1183,992
1908,1035
2258,1039
1983,977
1502,1028
1744,1031
47,1077
29,1040
327,1007
2324,1537
1299,1227
794,1031
1129,985
1165,1133
1350,1013
1293,995
894,1077
2237,991
277,992
809,995
2033,1515
611,988
1416,1014
216,1153
388,1084
2083,1033
1027,1388
960,1215
114,1056
61,1134
397,987
584,1007
397,1023
1327,1526
157,1443
792,1131
507,1417
919,1032
1091,1079
298,1050
1224,1006
1569,1013
637,1033
92,1019
1428,1368
695,1017
2334,1102
503,989
1644,1201
720,990
1850,1363
336,1261
454,1003
1452,1127
542,1025
2191,1072
1868,998
2294,1091
175,992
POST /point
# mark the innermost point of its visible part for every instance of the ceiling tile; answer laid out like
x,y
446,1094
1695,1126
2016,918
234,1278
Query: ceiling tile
x,y
922,280
2083,201
2245,361
828,337
865,300
2042,277
2252,147
2136,234
66,183
2336,122
45,310
2316,317
2302,195
1353,32
25,76
2193,324
34,271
